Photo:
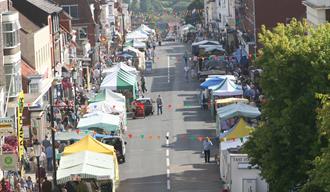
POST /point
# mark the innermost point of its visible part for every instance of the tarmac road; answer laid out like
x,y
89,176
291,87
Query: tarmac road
x,y
164,151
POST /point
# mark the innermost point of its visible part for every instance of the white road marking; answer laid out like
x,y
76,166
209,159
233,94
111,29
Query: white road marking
x,y
168,161
168,69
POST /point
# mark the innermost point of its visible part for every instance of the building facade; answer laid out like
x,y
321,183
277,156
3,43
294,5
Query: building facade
x,y
252,14
317,11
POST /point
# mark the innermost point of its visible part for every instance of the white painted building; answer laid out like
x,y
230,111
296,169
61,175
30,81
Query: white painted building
x,y
317,11
238,174
226,13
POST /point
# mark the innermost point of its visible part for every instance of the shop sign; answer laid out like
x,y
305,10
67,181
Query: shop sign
x,y
241,159
8,162
6,126
20,130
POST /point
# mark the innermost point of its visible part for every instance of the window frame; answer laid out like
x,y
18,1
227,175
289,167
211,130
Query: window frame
x,y
69,6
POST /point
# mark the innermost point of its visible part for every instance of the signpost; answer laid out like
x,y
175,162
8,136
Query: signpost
x,y
8,162
6,126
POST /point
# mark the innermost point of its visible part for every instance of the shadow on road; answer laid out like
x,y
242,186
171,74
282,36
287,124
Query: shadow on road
x,y
183,178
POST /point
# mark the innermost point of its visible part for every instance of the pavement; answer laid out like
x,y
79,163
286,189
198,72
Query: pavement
x,y
164,151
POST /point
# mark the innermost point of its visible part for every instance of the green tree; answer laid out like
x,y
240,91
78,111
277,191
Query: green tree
x,y
194,12
319,177
135,6
295,60
145,5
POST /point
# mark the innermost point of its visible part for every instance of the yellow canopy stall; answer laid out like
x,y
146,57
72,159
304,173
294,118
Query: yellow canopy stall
x,y
231,100
240,130
88,143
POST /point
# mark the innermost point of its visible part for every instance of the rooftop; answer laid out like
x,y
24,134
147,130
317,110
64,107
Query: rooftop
x,y
46,6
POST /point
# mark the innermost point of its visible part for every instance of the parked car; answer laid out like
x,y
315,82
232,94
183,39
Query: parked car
x,y
118,143
148,105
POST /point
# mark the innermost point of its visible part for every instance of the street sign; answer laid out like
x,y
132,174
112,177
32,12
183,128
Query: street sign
x,y
6,126
8,162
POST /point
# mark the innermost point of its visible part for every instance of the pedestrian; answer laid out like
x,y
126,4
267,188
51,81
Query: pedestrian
x,y
43,158
29,184
143,84
49,156
46,142
41,173
19,188
186,72
46,185
185,57
159,105
207,144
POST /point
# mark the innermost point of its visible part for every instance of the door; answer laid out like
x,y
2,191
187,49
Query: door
x,y
249,185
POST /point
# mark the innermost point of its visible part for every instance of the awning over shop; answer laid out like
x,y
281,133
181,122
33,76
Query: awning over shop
x,y
239,109
99,120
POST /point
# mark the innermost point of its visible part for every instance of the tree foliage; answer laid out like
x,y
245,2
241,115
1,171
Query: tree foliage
x,y
194,16
295,60
319,177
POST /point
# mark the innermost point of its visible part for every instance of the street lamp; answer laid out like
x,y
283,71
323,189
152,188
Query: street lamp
x,y
37,153
75,77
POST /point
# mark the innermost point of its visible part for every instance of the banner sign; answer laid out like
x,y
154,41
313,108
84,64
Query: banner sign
x,y
6,126
8,162
20,131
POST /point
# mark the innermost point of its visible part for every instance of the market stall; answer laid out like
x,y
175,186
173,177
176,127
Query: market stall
x,y
100,122
226,89
89,160
139,61
123,82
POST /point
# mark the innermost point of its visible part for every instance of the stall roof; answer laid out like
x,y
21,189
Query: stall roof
x,y
88,143
227,88
215,80
241,129
105,121
238,109
231,100
206,42
88,165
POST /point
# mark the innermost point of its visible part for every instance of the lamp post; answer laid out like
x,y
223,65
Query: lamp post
x,y
74,78
37,153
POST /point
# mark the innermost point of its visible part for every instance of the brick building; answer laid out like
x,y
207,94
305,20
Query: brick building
x,y
268,13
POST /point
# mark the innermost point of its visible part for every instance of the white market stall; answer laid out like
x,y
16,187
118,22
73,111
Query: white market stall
x,y
100,121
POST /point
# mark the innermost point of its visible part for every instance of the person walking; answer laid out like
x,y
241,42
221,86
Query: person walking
x,y
46,185
185,57
143,84
159,102
186,72
207,144
49,155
